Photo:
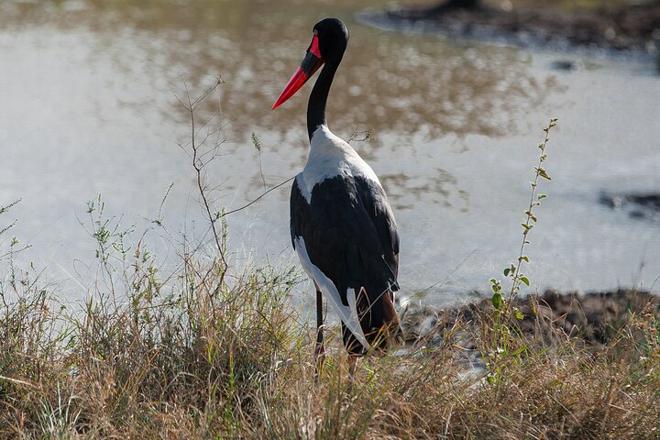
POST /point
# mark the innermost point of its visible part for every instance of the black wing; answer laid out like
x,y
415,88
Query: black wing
x,y
349,233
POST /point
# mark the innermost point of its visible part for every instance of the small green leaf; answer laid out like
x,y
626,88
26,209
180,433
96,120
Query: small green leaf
x,y
524,279
497,301
524,258
506,272
543,173
518,314
541,196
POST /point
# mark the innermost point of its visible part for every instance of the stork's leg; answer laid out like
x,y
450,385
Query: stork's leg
x,y
352,364
319,350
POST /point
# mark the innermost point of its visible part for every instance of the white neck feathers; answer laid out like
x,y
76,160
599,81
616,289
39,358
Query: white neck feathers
x,y
330,156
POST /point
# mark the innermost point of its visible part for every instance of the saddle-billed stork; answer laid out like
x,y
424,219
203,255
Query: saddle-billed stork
x,y
342,226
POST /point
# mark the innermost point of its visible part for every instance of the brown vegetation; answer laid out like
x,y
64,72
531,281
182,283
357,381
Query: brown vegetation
x,y
234,362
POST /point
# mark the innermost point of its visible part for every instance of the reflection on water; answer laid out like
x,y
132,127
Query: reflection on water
x,y
388,82
90,105
405,190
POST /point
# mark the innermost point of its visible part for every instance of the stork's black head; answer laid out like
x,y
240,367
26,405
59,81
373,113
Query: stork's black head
x,y
328,46
333,39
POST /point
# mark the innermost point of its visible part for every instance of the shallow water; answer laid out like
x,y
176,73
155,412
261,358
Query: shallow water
x,y
89,105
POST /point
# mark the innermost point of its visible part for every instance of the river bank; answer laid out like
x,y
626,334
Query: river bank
x,y
617,27
593,318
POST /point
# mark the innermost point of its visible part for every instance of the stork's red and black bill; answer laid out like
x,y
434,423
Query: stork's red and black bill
x,y
309,65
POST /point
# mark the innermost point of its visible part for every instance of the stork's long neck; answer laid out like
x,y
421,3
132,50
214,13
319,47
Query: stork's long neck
x,y
319,98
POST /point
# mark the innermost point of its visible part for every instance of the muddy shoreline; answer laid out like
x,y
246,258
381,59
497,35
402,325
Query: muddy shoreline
x,y
592,318
633,28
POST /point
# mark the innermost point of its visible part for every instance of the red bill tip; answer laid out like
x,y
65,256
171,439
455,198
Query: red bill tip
x,y
295,83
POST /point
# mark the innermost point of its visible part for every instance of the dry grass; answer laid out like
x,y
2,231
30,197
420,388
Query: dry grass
x,y
232,361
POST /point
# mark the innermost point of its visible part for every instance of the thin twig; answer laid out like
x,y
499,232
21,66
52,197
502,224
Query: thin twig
x,y
233,211
198,166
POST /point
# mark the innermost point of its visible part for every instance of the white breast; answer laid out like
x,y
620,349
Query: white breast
x,y
330,156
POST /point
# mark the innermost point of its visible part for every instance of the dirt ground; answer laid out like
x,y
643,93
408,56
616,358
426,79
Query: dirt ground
x,y
593,317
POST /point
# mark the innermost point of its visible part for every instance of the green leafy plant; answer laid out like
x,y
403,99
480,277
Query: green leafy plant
x,y
501,300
